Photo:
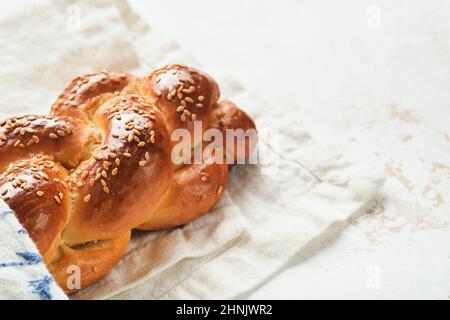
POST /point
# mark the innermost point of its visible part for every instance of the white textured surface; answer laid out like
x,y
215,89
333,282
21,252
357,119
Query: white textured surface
x,y
384,89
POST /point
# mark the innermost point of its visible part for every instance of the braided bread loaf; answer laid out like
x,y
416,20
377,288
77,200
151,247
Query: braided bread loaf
x,y
100,165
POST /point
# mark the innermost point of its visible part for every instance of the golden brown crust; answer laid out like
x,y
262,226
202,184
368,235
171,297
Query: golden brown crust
x,y
79,97
183,94
34,188
195,190
100,165
227,116
127,176
66,139
93,261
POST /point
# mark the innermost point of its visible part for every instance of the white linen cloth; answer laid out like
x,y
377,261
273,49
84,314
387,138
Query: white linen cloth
x,y
299,193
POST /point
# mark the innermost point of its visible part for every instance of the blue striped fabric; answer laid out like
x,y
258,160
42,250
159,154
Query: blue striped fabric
x,y
19,257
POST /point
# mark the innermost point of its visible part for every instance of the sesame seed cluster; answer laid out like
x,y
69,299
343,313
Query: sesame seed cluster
x,y
83,88
131,140
26,131
33,175
182,87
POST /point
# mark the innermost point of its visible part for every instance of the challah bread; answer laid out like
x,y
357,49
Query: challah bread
x,y
100,165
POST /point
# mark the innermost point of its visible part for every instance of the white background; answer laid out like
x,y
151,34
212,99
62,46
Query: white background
x,y
371,74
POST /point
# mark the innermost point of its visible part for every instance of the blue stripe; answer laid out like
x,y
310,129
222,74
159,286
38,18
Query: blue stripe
x,y
29,257
42,287
22,231
5,213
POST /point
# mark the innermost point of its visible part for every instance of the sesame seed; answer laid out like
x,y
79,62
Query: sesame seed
x,y
87,198
220,189
193,117
189,99
180,108
39,193
201,98
53,136
199,105
142,163
61,133
114,171
57,199
204,178
141,144
106,189
104,174
127,155
147,156
103,183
